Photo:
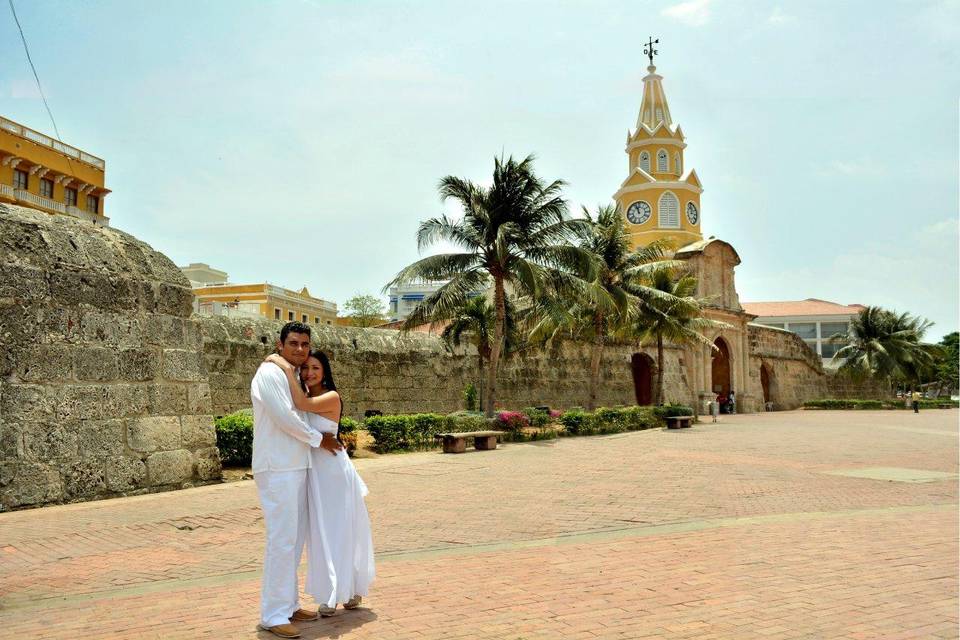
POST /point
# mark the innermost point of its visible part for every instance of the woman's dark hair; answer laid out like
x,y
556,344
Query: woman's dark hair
x,y
327,380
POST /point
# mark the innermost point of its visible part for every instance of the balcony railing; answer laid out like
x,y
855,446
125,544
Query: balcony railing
x,y
52,205
47,141
43,203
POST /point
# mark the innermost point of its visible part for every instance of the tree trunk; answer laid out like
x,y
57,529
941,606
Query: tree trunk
x,y
659,399
500,301
480,398
596,355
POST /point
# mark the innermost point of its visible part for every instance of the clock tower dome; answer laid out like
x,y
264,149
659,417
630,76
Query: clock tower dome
x,y
660,198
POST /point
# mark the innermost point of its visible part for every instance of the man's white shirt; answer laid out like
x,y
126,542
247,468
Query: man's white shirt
x,y
281,436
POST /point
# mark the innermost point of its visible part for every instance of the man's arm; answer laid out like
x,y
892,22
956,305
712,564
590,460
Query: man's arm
x,y
277,402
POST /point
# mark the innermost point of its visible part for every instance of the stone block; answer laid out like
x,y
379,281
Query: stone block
x,y
175,300
124,474
157,433
126,400
11,440
208,464
83,478
43,363
168,399
21,283
95,363
27,401
198,398
49,441
182,365
170,467
28,483
197,432
98,438
137,365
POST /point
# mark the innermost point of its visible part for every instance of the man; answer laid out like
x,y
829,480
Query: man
x,y
281,457
915,396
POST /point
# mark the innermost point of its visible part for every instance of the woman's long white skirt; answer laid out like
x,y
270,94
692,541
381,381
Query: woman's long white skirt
x,y
339,544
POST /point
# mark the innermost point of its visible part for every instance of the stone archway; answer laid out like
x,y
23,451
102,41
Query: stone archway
x,y
768,383
643,367
720,380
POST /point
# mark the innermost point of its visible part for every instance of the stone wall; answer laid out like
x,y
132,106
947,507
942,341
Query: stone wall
x,y
391,372
102,388
794,369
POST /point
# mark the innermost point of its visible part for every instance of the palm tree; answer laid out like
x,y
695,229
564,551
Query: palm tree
x,y
677,319
512,233
476,320
604,304
885,344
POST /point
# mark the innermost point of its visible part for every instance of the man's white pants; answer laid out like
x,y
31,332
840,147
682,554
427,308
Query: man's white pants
x,y
283,496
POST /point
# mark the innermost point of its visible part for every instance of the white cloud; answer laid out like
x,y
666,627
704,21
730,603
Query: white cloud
x,y
862,167
779,18
694,13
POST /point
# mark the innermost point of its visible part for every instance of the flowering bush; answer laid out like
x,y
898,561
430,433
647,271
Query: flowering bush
x,y
512,420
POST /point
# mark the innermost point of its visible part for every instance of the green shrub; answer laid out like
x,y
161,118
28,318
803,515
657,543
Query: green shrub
x,y
899,403
406,432
348,425
576,421
537,417
235,438
670,410
470,397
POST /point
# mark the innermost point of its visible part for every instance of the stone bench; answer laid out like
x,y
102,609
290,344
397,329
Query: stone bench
x,y
457,442
679,422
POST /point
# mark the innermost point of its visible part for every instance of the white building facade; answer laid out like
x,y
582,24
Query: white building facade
x,y
813,320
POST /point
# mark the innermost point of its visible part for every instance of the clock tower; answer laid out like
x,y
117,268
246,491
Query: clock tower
x,y
659,198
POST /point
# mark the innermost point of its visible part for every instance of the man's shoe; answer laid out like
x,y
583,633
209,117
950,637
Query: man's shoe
x,y
353,602
282,630
326,611
302,615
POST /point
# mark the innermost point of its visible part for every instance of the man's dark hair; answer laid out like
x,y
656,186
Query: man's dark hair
x,y
293,327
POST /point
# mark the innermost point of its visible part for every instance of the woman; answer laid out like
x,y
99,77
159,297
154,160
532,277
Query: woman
x,y
339,546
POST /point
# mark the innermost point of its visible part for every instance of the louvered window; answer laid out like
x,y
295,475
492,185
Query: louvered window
x,y
645,161
676,164
668,212
662,161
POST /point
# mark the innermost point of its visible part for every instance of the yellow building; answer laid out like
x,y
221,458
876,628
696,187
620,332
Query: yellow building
x,y
213,295
40,172
659,198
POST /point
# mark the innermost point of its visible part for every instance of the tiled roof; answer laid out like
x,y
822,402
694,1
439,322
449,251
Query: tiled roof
x,y
808,307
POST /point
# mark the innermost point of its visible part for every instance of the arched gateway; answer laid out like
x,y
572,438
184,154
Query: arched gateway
x,y
643,367
720,368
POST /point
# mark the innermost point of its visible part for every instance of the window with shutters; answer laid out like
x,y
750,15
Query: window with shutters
x,y
20,179
46,188
662,161
70,196
677,168
93,204
645,161
276,313
668,211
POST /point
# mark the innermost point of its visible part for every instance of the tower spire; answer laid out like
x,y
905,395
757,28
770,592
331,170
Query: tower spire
x,y
653,108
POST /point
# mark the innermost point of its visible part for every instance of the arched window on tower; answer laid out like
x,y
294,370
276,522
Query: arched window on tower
x,y
668,211
662,161
645,161
677,167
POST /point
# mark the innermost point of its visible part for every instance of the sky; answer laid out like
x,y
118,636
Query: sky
x,y
300,142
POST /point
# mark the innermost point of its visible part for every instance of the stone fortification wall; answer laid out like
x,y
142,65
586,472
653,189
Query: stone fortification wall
x,y
102,388
794,371
387,371
842,386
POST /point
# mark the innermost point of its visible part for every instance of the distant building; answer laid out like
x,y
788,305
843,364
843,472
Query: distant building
x,y
40,172
215,295
405,297
812,319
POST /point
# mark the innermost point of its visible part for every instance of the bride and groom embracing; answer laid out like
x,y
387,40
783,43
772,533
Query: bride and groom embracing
x,y
309,490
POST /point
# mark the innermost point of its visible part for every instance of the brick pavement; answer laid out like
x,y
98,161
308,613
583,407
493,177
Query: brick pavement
x,y
735,530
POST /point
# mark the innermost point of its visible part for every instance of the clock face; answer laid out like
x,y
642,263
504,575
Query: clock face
x,y
638,212
692,214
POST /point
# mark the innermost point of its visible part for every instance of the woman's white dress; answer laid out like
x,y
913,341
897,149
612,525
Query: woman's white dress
x,y
339,544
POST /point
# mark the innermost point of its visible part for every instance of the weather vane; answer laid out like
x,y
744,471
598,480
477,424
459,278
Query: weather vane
x,y
649,51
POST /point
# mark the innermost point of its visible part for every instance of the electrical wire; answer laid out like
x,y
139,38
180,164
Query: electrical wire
x,y
36,77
